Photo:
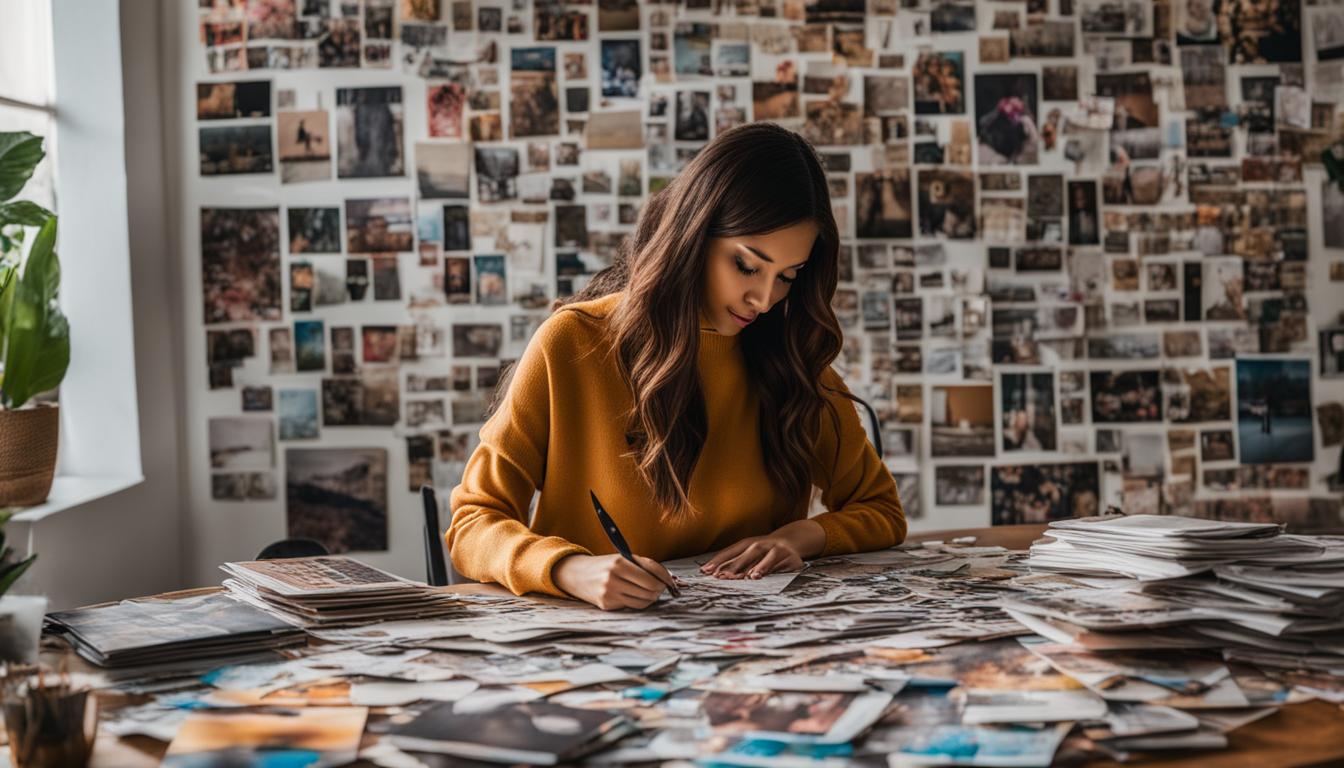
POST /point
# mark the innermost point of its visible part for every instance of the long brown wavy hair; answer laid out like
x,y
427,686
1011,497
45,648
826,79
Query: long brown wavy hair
x,y
752,179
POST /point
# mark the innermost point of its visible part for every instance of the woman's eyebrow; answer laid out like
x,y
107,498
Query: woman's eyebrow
x,y
767,258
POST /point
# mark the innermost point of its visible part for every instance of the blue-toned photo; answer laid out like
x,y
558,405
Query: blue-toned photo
x,y
1274,411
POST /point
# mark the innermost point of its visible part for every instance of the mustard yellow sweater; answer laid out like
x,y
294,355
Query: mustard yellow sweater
x,y
560,429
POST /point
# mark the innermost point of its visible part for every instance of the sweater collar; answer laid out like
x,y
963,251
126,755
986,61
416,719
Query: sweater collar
x,y
712,341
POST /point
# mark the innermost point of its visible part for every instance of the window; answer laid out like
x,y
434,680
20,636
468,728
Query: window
x,y
27,86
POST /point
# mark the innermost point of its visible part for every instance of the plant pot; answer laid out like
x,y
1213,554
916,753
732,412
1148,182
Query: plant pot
x,y
28,454
21,627
51,726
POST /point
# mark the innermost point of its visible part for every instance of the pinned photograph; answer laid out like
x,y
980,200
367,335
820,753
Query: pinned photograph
x,y
314,230
940,83
1332,352
1038,493
1222,289
304,146
225,101
1084,222
298,414
445,104
491,288
241,442
962,417
882,206
692,117
1274,411
621,68
534,97
240,264
337,496
496,176
443,170
958,485
235,149
311,346
477,339
368,131
1005,109
1028,411
1126,396
1194,395
947,203
379,225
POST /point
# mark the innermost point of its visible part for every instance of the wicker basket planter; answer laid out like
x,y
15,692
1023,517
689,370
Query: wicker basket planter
x,y
27,454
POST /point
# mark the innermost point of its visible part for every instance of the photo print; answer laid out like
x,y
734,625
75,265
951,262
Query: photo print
x,y
379,225
337,496
939,83
236,149
304,146
947,203
621,68
225,101
882,204
1126,396
240,264
1006,119
1028,407
962,419
314,230
534,97
958,485
1274,411
1038,493
369,133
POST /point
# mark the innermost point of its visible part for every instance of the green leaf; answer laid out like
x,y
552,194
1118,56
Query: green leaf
x,y
20,152
24,212
11,573
39,335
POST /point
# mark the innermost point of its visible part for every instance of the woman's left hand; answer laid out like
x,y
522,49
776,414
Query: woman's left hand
x,y
756,556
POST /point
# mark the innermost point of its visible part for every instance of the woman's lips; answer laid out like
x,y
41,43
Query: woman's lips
x,y
740,320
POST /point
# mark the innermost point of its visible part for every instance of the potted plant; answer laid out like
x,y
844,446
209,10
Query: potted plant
x,y
34,334
20,615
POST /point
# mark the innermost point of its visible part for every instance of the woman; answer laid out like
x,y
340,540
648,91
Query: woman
x,y
689,386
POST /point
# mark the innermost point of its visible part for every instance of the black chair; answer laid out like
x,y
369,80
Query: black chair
x,y
436,569
875,431
287,548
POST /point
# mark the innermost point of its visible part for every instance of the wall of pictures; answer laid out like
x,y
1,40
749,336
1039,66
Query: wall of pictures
x,y
1091,255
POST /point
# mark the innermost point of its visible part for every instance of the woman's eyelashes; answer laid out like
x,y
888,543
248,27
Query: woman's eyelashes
x,y
742,267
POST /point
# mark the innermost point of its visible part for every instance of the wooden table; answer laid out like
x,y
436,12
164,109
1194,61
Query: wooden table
x,y
1305,735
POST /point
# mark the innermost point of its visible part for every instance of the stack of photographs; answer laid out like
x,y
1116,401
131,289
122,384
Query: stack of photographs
x,y
165,631
332,591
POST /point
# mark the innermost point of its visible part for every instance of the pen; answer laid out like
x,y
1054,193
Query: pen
x,y
617,540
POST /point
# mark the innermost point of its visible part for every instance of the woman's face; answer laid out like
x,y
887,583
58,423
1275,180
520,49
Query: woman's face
x,y
746,276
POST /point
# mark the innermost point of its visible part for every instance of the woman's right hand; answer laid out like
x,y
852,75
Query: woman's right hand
x,y
611,582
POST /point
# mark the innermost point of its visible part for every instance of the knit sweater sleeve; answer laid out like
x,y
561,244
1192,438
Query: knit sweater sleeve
x,y
489,538
865,512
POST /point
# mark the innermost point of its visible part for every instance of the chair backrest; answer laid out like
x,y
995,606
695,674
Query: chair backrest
x,y
436,570
874,427
286,548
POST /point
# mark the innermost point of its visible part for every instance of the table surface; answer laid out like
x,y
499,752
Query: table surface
x,y
1304,735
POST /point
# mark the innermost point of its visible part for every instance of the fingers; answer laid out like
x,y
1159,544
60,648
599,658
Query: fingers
x,y
638,576
768,564
738,566
725,555
656,568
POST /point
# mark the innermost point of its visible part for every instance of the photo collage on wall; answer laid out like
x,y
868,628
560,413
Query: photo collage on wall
x,y
1076,273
